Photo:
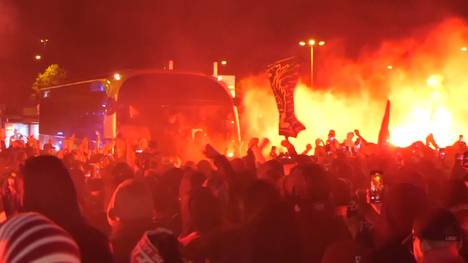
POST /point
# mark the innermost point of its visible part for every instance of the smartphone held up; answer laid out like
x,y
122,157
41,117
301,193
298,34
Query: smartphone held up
x,y
376,190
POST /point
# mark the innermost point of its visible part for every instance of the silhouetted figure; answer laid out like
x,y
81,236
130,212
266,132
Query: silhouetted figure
x,y
49,190
130,213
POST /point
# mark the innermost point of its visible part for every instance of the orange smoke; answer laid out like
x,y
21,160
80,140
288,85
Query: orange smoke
x,y
425,77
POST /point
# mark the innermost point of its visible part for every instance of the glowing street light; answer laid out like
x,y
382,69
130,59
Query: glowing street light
x,y
44,42
389,67
117,76
311,43
464,49
38,57
224,62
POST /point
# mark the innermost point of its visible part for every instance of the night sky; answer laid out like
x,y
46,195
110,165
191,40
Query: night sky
x,y
89,37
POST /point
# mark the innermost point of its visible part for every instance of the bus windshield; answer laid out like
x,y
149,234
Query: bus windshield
x,y
178,111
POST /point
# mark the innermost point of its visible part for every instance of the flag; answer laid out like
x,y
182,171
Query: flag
x,y
284,75
384,133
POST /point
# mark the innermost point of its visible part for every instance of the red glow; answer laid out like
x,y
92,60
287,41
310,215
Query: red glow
x,y
428,91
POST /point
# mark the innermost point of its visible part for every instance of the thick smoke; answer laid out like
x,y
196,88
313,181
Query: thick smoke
x,y
7,27
424,76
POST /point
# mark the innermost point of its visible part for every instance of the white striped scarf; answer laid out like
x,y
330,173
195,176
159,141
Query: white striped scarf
x,y
31,237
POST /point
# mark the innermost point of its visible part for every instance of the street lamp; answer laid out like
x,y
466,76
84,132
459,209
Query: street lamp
x,y
311,43
37,57
44,40
464,49
117,76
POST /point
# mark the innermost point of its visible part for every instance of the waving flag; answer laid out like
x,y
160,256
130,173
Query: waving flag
x,y
384,134
283,76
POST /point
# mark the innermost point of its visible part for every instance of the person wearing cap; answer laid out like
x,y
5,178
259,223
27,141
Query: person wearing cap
x,y
437,238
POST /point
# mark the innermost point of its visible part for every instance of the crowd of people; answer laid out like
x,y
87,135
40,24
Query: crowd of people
x,y
340,201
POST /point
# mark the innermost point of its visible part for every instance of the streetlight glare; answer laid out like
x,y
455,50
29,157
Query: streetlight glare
x,y
464,49
312,45
117,76
223,62
389,67
37,57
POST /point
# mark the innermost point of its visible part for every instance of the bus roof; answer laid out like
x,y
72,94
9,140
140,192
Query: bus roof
x,y
128,73
74,84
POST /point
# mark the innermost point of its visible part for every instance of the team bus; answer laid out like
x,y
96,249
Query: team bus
x,y
175,110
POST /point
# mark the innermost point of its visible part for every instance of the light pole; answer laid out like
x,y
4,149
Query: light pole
x,y
216,67
44,41
311,43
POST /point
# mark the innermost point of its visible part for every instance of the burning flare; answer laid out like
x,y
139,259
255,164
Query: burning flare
x,y
427,83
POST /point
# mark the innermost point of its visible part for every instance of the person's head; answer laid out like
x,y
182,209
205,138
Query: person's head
x,y
271,232
165,189
205,168
259,196
48,189
121,172
31,237
436,233
205,210
199,137
342,191
309,185
190,182
131,202
238,165
271,171
403,203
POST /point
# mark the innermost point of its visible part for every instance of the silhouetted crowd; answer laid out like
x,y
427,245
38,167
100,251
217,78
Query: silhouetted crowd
x,y
340,201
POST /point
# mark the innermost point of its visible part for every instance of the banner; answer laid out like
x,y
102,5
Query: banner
x,y
283,76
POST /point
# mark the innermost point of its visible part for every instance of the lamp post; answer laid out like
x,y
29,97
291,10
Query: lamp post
x,y
311,43
216,67
44,41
